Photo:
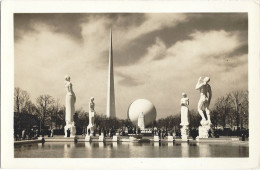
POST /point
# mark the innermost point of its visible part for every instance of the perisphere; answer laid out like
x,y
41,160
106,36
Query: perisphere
x,y
142,106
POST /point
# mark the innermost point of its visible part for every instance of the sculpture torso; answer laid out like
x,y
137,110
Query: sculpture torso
x,y
185,101
68,86
92,106
204,90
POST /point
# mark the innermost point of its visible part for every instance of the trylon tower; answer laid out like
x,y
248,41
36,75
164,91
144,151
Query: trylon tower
x,y
111,111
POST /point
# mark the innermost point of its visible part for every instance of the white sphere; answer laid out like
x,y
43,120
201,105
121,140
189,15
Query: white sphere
x,y
139,106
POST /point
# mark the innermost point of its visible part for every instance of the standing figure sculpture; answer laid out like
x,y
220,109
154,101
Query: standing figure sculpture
x,y
70,107
184,110
184,117
140,122
205,98
91,116
203,105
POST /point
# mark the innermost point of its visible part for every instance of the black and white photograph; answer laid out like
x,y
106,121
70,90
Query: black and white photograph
x,y
109,85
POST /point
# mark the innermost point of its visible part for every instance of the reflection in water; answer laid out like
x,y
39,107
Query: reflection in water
x,y
184,149
129,150
170,144
67,150
204,150
88,145
114,144
156,144
101,144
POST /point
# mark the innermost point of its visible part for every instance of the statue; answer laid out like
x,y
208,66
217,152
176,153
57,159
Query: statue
x,y
203,105
140,122
91,116
184,110
70,107
184,117
205,98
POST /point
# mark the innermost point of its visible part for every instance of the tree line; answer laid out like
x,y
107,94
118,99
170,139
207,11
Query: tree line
x,y
230,111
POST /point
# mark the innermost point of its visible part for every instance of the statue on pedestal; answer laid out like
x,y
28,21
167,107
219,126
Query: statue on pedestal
x,y
184,116
90,127
70,108
184,110
203,105
140,122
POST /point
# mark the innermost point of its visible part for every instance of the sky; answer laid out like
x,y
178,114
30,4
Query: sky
x,y
157,56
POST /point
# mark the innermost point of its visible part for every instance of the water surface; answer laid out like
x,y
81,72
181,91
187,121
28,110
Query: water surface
x,y
130,150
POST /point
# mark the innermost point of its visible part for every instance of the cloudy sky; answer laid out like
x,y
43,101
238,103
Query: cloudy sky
x,y
156,56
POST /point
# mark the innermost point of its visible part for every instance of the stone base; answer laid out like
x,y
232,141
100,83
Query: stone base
x,y
156,138
184,138
101,138
87,138
170,138
204,129
184,133
91,127
115,138
72,130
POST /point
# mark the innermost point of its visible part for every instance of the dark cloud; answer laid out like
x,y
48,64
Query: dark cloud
x,y
170,35
69,24
239,51
60,23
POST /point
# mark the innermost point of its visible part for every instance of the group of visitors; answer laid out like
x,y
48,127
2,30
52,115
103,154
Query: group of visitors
x,y
29,134
26,134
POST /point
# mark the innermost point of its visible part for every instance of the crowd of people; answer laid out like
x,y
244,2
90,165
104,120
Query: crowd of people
x,y
34,133
30,134
125,131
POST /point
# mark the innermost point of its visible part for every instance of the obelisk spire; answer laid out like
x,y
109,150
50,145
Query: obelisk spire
x,y
111,111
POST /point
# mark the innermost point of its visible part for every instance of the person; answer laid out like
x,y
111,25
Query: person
x,y
23,134
205,98
210,134
68,132
89,132
51,132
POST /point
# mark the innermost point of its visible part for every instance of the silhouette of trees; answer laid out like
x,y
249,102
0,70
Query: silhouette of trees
x,y
231,109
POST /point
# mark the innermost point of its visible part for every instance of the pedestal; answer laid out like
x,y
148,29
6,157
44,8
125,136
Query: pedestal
x,y
184,133
91,127
87,138
101,138
72,129
204,129
170,138
156,139
115,139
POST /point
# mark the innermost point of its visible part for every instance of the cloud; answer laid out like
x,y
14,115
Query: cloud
x,y
179,67
156,56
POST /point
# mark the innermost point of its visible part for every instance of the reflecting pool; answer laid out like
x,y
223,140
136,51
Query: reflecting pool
x,y
129,150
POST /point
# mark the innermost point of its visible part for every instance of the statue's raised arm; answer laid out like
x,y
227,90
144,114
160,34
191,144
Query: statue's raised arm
x,y
199,84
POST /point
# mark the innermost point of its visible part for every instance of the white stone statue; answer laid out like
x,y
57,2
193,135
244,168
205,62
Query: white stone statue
x,y
91,116
70,107
203,105
140,122
184,117
205,98
184,110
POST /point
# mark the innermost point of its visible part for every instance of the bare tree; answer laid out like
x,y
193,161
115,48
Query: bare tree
x,y
21,97
238,98
223,107
44,105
